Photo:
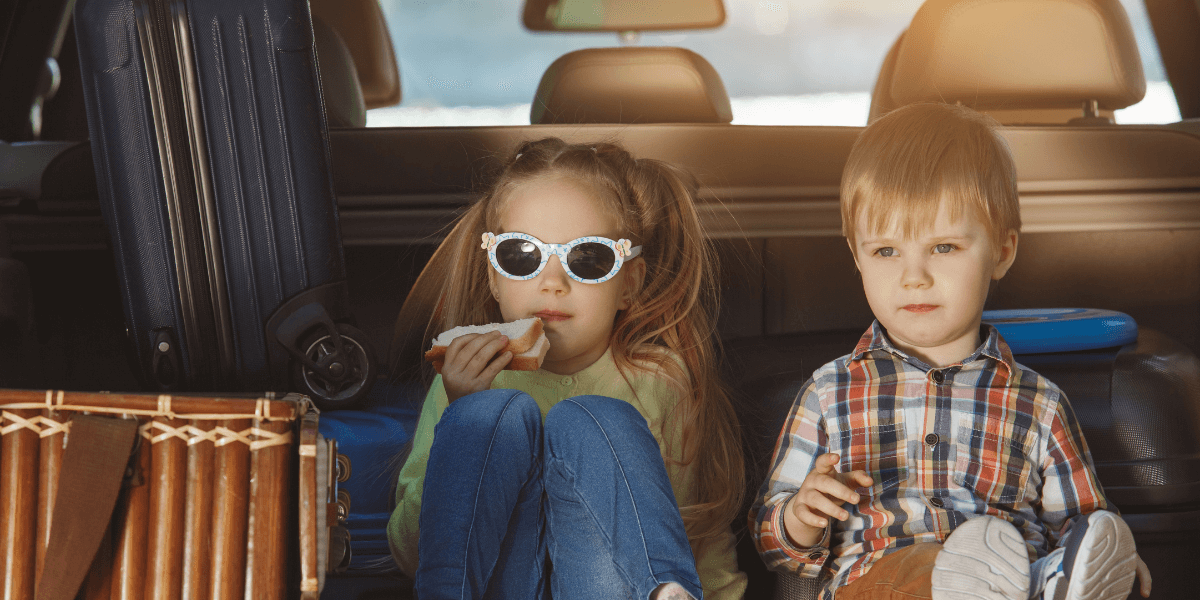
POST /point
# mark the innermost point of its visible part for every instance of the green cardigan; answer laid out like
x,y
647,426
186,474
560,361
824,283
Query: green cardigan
x,y
652,395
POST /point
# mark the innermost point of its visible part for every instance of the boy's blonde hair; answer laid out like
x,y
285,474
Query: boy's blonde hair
x,y
907,161
674,308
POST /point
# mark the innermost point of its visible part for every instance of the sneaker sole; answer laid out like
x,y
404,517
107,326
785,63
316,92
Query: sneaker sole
x,y
984,559
1106,561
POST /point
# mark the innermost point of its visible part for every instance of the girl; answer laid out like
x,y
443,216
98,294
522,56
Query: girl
x,y
637,468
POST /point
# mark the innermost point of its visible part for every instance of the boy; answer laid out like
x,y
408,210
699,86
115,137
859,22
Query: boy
x,y
973,479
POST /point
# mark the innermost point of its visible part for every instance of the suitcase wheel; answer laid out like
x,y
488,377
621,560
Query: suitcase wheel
x,y
343,378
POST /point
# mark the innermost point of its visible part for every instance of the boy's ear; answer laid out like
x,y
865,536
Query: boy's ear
x,y
633,275
1005,254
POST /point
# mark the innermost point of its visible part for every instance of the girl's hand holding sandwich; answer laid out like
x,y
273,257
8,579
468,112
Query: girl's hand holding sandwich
x,y
472,363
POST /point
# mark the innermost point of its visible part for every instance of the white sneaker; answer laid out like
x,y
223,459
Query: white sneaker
x,y
983,559
1100,561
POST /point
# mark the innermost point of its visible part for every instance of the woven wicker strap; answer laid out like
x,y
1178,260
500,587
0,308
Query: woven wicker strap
x,y
93,464
43,426
257,439
156,431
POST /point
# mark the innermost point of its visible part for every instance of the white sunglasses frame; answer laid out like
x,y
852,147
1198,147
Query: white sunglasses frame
x,y
622,249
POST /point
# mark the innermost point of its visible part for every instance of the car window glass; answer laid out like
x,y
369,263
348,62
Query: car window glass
x,y
1159,105
783,62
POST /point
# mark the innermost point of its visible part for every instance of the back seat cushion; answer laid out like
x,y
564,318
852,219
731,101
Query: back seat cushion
x,y
363,28
881,97
344,106
1022,62
631,85
1111,214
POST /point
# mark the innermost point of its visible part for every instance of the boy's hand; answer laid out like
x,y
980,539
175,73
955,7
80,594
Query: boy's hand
x,y
1143,574
820,498
471,363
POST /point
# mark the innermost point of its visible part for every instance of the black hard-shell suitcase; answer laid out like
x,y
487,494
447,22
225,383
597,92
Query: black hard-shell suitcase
x,y
212,158
1138,405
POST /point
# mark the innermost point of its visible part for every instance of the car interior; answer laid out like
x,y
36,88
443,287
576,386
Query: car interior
x,y
1111,220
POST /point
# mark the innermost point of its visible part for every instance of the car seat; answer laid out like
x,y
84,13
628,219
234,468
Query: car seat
x,y
364,32
631,85
1052,61
356,59
344,105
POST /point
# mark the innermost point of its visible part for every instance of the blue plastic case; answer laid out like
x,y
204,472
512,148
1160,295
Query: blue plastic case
x,y
1042,330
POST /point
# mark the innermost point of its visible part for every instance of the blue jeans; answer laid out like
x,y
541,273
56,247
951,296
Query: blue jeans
x,y
578,508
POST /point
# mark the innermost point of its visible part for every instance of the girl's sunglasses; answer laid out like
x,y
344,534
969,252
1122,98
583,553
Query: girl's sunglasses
x,y
587,259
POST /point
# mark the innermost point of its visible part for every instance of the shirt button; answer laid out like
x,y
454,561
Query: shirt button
x,y
938,502
567,381
814,556
931,439
938,377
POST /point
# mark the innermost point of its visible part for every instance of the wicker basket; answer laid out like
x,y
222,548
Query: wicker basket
x,y
223,497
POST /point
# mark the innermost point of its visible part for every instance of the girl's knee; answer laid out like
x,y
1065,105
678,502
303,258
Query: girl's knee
x,y
582,416
488,410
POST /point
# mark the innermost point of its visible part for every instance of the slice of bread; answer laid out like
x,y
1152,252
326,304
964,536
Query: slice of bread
x,y
526,340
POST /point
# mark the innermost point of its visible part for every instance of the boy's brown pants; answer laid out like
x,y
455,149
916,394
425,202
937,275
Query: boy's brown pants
x,y
901,575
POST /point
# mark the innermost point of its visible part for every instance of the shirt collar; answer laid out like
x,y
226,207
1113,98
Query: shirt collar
x,y
874,339
993,347
587,377
598,370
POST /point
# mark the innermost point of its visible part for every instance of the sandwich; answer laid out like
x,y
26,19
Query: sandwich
x,y
526,340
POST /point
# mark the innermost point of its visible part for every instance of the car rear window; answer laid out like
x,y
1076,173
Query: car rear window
x,y
784,62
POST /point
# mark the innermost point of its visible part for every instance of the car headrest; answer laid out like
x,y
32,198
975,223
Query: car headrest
x,y
344,106
881,96
363,29
631,85
1021,61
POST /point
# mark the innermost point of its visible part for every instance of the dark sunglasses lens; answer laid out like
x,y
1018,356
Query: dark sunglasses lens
x,y
591,260
518,257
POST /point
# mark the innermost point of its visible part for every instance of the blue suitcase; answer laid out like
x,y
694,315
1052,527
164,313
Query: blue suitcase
x,y
212,161
371,446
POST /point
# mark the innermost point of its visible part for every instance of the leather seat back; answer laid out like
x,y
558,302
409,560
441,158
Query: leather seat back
x,y
344,105
631,85
1019,61
364,31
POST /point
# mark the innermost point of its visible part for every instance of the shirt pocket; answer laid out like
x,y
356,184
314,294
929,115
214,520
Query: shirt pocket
x,y
994,462
879,450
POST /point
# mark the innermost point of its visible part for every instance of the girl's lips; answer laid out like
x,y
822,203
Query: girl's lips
x,y
552,315
920,308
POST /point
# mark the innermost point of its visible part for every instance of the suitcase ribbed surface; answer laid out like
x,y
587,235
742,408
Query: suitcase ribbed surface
x,y
212,157
269,159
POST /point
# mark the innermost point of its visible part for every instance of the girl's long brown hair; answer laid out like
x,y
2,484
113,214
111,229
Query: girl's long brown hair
x,y
675,307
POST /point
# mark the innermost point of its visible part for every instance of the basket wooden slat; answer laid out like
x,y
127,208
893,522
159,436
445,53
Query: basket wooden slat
x,y
129,562
308,507
231,467
266,558
18,506
50,459
197,535
167,480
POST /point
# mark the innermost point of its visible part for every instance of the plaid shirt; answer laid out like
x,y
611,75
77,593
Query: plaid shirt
x,y
985,436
